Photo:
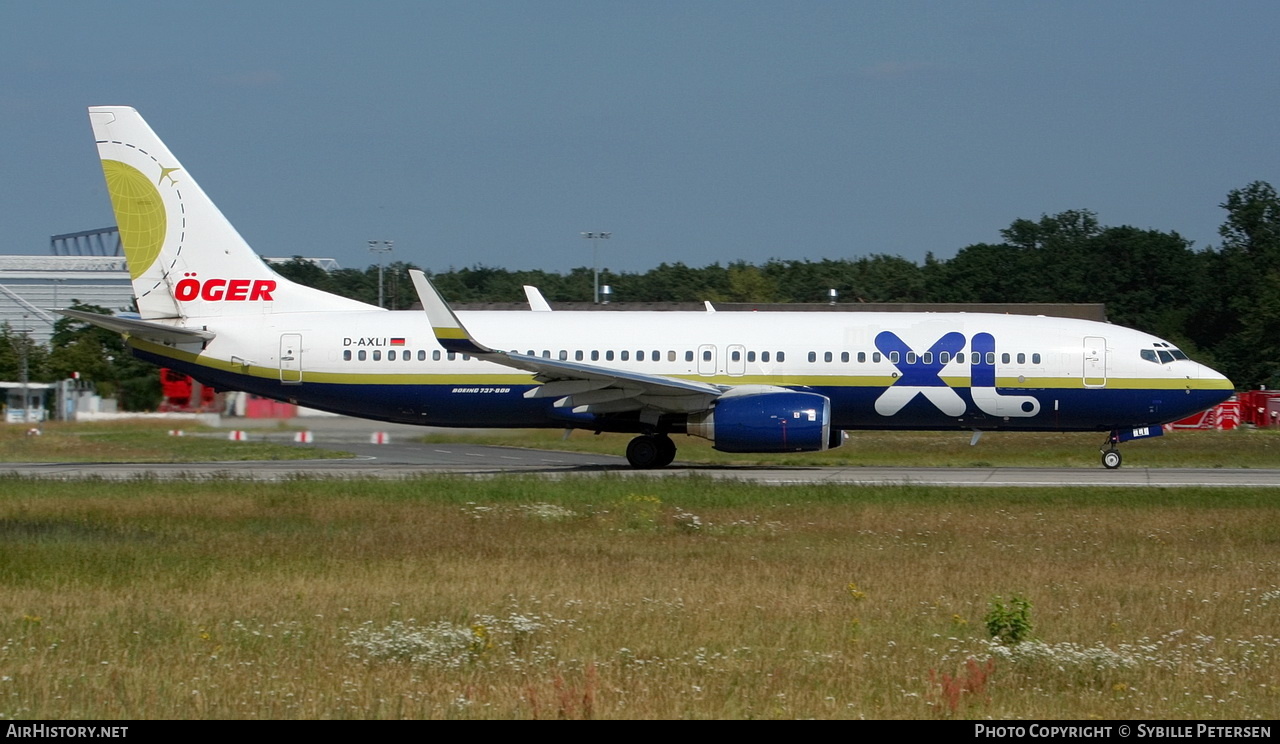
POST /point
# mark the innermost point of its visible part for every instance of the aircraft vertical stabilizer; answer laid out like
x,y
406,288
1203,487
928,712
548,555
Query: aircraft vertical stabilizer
x,y
185,258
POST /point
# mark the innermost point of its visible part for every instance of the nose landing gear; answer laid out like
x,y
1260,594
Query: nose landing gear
x,y
1111,458
1111,455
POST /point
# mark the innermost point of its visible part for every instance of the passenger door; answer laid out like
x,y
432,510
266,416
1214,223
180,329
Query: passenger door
x,y
1095,362
291,358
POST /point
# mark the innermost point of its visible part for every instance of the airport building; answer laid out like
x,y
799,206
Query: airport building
x,y
85,267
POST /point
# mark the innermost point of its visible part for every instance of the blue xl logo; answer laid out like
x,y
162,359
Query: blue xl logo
x,y
921,375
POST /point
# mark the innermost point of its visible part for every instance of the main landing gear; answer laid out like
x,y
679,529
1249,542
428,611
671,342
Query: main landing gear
x,y
1111,455
649,451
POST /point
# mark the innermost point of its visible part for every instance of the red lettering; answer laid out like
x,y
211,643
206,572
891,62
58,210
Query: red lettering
x,y
186,290
238,289
212,291
218,290
262,289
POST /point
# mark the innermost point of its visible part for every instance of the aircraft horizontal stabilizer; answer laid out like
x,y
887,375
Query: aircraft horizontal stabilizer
x,y
157,332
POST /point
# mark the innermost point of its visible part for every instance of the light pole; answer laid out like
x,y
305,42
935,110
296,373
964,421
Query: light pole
x,y
595,238
24,371
380,247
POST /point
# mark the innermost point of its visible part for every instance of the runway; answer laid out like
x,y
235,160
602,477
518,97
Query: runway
x,y
407,460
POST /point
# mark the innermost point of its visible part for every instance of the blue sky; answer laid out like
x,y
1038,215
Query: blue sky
x,y
495,132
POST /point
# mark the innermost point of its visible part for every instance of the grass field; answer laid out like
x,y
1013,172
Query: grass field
x,y
138,441
633,598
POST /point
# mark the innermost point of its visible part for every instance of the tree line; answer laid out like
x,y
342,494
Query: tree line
x,y
1221,304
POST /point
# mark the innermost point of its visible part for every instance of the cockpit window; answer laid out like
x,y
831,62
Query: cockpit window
x,y
1163,354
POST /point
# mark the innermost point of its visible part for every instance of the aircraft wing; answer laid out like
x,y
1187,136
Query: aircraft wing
x,y
144,329
587,388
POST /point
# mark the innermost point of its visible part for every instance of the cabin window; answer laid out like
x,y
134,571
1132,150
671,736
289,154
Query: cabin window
x,y
844,357
736,355
862,357
927,357
407,355
893,357
564,355
451,356
826,357
391,355
624,355
422,355
671,356
764,356
751,356
577,355
875,357
1004,358
944,357
346,355
360,355
706,355
782,356
608,355
657,356
640,355
991,357
813,356
1035,358
435,355
1022,358
911,357
595,355
688,356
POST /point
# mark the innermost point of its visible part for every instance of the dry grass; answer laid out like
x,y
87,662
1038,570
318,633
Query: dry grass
x,y
630,598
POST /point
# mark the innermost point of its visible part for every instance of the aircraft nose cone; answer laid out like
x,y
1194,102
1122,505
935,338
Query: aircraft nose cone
x,y
1209,373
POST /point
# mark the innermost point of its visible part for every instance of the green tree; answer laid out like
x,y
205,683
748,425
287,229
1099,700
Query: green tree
x,y
101,357
1243,320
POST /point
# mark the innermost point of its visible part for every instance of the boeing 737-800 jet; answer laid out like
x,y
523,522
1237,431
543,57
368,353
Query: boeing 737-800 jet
x,y
749,382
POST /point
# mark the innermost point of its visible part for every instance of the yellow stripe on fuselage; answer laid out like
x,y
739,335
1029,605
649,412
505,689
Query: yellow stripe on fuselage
x,y
453,377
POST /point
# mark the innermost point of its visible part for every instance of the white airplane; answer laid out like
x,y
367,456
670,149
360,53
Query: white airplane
x,y
749,382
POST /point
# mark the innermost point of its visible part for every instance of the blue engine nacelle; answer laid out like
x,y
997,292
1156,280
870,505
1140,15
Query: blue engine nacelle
x,y
777,420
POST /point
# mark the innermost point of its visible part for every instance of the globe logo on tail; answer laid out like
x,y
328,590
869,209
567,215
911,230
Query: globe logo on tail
x,y
140,214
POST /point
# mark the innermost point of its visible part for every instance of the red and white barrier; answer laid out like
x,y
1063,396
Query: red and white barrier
x,y
303,437
379,437
238,436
